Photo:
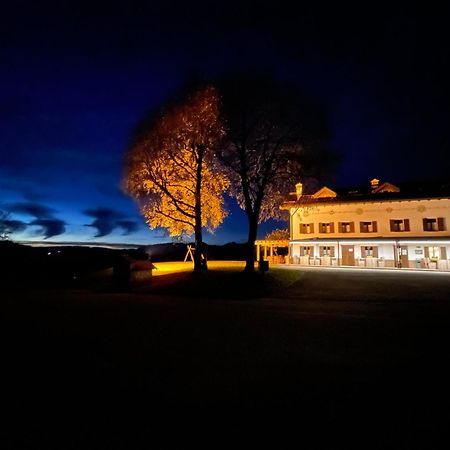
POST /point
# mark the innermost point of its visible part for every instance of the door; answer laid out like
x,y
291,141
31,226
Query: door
x,y
404,256
348,255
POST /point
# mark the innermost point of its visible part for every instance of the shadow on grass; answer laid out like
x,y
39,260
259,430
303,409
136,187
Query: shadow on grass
x,y
221,284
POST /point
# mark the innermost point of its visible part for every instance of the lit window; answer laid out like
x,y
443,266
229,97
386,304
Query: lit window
x,y
434,252
430,224
325,227
399,224
345,227
306,228
367,227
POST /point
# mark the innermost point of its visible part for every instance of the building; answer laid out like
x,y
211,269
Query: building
x,y
381,226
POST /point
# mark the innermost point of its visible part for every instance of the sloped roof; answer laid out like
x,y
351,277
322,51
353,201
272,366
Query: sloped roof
x,y
385,192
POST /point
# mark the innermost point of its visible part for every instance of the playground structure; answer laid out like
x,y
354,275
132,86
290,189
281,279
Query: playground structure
x,y
190,253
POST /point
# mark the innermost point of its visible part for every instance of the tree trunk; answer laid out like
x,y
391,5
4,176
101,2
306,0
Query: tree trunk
x,y
199,262
252,231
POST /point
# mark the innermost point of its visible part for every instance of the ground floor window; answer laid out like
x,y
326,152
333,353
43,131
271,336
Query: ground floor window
x,y
326,251
434,252
369,251
306,251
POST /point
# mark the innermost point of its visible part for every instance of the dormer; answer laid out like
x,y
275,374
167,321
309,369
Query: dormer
x,y
324,193
386,187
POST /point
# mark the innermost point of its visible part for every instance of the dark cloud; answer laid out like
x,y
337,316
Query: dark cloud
x,y
11,226
106,220
104,227
128,226
49,227
36,210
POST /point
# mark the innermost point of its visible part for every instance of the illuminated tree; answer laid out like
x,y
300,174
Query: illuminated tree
x,y
173,173
278,235
273,139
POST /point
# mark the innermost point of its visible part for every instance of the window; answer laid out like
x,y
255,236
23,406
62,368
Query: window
x,y
368,227
369,252
306,251
306,228
346,227
326,250
433,224
326,227
433,252
399,225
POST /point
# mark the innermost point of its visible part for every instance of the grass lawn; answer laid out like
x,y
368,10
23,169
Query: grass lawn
x,y
164,268
224,279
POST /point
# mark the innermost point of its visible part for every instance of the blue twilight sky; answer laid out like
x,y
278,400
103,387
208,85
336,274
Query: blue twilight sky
x,y
75,79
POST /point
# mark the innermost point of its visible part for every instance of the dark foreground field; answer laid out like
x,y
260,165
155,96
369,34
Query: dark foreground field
x,y
338,357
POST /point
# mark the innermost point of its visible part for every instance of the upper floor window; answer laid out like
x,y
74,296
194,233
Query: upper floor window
x,y
399,225
306,228
433,224
326,227
346,227
368,227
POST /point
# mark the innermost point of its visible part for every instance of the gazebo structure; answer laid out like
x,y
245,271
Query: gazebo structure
x,y
269,249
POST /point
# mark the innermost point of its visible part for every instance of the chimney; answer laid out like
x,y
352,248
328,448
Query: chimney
x,y
374,184
299,190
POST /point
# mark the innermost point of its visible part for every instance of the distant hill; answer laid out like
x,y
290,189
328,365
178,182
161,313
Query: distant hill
x,y
34,265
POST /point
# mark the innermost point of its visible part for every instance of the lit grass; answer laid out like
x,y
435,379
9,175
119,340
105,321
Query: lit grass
x,y
165,268
224,279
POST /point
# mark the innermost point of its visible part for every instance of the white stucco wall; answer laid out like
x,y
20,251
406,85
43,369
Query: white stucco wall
x,y
381,212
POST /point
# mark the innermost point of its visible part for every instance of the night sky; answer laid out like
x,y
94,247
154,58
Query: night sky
x,y
75,80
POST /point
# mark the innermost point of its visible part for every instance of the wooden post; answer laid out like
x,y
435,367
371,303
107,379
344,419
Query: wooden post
x,y
265,252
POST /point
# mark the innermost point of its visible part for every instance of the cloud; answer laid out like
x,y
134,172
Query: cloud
x,y
128,226
49,227
106,220
36,210
12,226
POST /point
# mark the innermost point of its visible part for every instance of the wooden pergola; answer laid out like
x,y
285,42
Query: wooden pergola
x,y
270,249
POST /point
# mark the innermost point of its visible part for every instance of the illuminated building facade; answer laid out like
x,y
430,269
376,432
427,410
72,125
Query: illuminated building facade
x,y
381,226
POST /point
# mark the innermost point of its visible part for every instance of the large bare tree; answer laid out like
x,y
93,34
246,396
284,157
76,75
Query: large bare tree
x,y
273,138
172,170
